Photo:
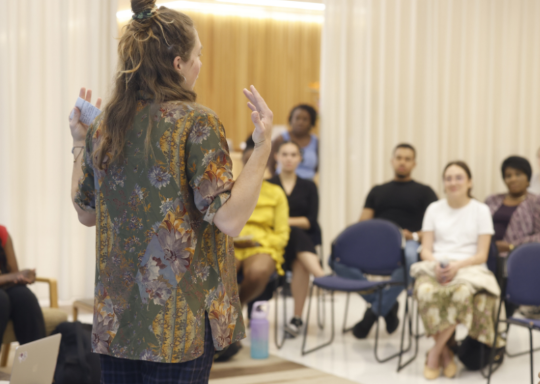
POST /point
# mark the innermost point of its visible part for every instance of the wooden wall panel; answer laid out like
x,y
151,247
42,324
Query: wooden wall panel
x,y
281,58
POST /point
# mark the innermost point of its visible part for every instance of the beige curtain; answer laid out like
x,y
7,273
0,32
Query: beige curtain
x,y
458,79
48,49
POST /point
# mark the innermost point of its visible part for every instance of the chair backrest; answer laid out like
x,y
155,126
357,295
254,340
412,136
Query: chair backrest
x,y
523,280
372,246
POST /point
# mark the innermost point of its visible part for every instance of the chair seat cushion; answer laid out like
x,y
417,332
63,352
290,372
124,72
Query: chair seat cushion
x,y
337,283
52,316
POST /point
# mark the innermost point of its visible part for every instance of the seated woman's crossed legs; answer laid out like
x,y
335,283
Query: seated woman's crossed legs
x,y
257,270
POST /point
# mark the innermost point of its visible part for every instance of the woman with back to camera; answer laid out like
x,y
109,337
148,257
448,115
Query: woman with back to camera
x,y
300,255
453,285
302,119
153,173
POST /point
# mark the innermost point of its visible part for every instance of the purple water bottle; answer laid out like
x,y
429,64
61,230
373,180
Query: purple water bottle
x,y
259,330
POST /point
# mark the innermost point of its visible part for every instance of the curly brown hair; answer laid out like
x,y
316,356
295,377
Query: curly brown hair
x,y
146,53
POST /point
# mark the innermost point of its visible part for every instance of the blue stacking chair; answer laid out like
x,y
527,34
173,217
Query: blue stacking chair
x,y
521,287
375,247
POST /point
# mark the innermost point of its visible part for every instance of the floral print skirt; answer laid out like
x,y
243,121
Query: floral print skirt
x,y
443,306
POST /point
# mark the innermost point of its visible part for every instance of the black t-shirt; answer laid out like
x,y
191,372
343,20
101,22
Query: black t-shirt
x,y
304,202
402,203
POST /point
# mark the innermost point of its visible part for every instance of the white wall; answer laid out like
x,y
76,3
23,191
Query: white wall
x,y
48,50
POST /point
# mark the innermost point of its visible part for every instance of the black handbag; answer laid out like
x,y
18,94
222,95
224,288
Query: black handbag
x,y
475,355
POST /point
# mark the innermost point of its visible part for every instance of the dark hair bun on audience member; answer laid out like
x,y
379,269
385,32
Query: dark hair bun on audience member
x,y
517,162
309,109
138,6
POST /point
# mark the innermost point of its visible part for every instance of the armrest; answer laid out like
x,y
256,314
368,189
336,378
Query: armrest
x,y
53,290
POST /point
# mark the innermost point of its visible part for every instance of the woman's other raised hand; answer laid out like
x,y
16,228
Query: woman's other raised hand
x,y
261,116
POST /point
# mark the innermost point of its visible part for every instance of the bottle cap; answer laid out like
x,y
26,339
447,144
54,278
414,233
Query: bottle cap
x,y
260,310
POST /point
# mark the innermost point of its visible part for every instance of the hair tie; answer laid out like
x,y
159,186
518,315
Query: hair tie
x,y
146,14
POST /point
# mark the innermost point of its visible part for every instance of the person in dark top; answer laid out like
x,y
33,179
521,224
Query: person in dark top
x,y
516,215
302,120
300,255
17,302
402,201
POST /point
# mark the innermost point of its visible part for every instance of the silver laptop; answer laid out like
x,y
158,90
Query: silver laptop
x,y
35,362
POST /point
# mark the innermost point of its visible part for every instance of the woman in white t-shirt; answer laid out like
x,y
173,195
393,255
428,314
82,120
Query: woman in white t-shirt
x,y
456,234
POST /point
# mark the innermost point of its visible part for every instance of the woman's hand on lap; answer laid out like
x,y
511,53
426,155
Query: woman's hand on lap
x,y
27,276
439,273
261,116
502,246
450,271
78,129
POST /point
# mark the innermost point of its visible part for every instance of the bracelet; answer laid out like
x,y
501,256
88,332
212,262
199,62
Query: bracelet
x,y
77,157
72,149
259,143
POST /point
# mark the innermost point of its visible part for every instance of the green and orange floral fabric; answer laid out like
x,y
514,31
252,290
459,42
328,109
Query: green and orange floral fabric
x,y
161,263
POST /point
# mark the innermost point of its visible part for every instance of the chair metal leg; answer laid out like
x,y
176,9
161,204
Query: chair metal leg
x,y
344,329
512,355
412,338
279,344
531,353
320,305
417,315
304,351
376,349
492,354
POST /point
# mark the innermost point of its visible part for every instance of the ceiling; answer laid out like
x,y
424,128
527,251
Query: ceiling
x,y
126,4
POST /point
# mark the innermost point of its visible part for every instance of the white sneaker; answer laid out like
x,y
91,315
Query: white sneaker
x,y
294,328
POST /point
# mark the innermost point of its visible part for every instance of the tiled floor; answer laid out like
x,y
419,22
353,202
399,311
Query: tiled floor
x,y
244,370
354,359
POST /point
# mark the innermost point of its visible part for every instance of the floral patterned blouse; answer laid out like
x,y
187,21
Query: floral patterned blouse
x,y
161,263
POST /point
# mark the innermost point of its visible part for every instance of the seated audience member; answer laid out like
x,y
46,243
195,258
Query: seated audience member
x,y
457,235
300,256
302,119
402,201
17,302
535,180
260,246
516,214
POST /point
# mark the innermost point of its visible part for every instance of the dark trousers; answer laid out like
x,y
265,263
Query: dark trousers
x,y
123,371
19,304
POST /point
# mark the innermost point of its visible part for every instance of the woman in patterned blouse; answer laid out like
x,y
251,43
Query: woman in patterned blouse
x,y
153,174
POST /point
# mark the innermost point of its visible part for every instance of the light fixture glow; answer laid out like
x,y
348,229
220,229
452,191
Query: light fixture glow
x,y
230,10
279,3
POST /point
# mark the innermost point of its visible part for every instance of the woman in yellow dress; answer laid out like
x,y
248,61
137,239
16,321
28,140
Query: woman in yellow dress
x,y
259,249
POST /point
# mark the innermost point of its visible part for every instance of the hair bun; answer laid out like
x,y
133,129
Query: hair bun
x,y
138,6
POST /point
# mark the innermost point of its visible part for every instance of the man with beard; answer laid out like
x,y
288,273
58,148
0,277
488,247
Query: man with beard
x,y
404,202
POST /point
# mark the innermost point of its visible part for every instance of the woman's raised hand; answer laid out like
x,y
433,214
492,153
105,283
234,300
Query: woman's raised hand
x,y
261,116
78,129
